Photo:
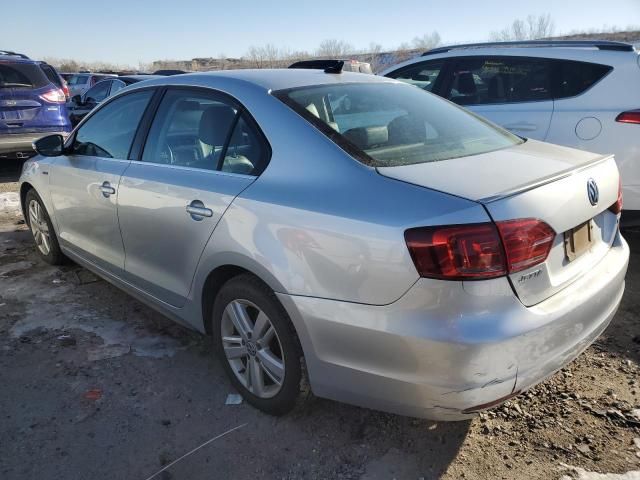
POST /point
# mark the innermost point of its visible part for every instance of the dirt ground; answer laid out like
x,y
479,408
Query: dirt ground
x,y
95,385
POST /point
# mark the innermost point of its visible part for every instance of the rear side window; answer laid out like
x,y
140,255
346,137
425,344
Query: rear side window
x,y
203,130
109,132
21,75
422,74
489,80
51,74
574,78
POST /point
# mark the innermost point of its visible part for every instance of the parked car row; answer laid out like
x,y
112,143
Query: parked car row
x,y
35,100
80,105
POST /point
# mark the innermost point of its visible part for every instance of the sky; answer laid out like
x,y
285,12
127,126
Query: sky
x,y
127,32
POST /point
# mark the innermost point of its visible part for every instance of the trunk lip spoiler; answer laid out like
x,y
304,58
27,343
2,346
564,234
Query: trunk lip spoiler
x,y
525,187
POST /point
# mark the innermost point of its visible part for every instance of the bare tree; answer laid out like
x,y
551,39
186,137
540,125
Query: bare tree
x,y
427,41
531,28
334,48
373,56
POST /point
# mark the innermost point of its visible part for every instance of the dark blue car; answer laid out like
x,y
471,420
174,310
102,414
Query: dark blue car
x,y
32,104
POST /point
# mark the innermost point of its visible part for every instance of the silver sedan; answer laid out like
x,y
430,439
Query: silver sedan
x,y
350,231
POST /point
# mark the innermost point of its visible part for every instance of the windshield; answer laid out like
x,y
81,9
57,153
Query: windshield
x,y
78,79
392,124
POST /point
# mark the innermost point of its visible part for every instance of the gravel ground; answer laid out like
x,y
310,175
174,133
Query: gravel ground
x,y
94,384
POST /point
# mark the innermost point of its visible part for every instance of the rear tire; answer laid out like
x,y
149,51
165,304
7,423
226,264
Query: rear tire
x,y
42,231
255,340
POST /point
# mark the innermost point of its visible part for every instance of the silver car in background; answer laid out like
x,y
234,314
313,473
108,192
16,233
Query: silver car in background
x,y
402,253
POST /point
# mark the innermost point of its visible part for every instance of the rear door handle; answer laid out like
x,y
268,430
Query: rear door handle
x,y
106,189
198,211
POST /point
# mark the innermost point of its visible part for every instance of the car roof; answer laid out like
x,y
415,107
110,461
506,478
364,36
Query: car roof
x,y
135,78
15,59
612,58
271,79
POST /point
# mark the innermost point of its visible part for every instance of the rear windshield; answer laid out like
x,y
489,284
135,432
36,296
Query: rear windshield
x,y
393,124
77,79
21,76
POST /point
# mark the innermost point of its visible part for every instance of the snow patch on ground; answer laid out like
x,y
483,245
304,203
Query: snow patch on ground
x,y
9,202
582,474
55,307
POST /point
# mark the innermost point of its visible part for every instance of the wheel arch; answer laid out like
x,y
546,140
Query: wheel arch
x,y
24,188
220,275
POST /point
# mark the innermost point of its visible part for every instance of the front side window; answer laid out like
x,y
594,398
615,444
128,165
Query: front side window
x,y
98,92
422,74
117,85
390,124
489,80
203,130
109,132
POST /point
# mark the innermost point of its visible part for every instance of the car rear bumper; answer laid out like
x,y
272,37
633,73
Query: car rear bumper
x,y
15,143
446,348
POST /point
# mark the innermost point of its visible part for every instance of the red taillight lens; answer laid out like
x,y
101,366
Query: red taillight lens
x,y
457,252
479,251
527,242
54,96
617,207
632,116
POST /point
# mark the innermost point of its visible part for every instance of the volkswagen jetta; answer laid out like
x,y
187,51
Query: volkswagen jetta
x,y
396,250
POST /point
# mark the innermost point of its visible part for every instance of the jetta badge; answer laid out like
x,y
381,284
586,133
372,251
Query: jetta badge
x,y
592,191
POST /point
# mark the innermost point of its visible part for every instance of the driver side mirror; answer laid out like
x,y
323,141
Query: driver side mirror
x,y
77,99
49,146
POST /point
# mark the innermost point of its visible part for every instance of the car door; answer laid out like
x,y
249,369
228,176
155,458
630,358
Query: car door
x,y
191,169
513,92
84,182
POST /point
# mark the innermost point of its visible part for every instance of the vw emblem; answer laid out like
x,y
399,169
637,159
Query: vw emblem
x,y
592,191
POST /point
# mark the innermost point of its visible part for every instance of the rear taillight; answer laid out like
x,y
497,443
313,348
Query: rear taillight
x,y
457,252
617,207
632,116
527,242
479,251
65,90
54,96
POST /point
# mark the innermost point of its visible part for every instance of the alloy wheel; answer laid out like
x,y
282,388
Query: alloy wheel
x,y
252,348
39,227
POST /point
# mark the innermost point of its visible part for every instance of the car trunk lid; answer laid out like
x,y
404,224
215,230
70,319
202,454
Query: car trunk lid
x,y
540,181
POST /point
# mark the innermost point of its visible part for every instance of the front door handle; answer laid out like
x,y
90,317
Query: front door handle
x,y
198,211
106,189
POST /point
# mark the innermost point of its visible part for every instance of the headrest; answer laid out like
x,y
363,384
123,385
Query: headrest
x,y
215,124
406,129
368,137
466,84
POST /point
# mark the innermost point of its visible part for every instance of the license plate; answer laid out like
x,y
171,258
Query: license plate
x,y
578,240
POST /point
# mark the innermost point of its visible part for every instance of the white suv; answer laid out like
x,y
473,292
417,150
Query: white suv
x,y
582,94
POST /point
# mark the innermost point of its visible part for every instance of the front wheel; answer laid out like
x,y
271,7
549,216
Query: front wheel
x,y
255,341
42,230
